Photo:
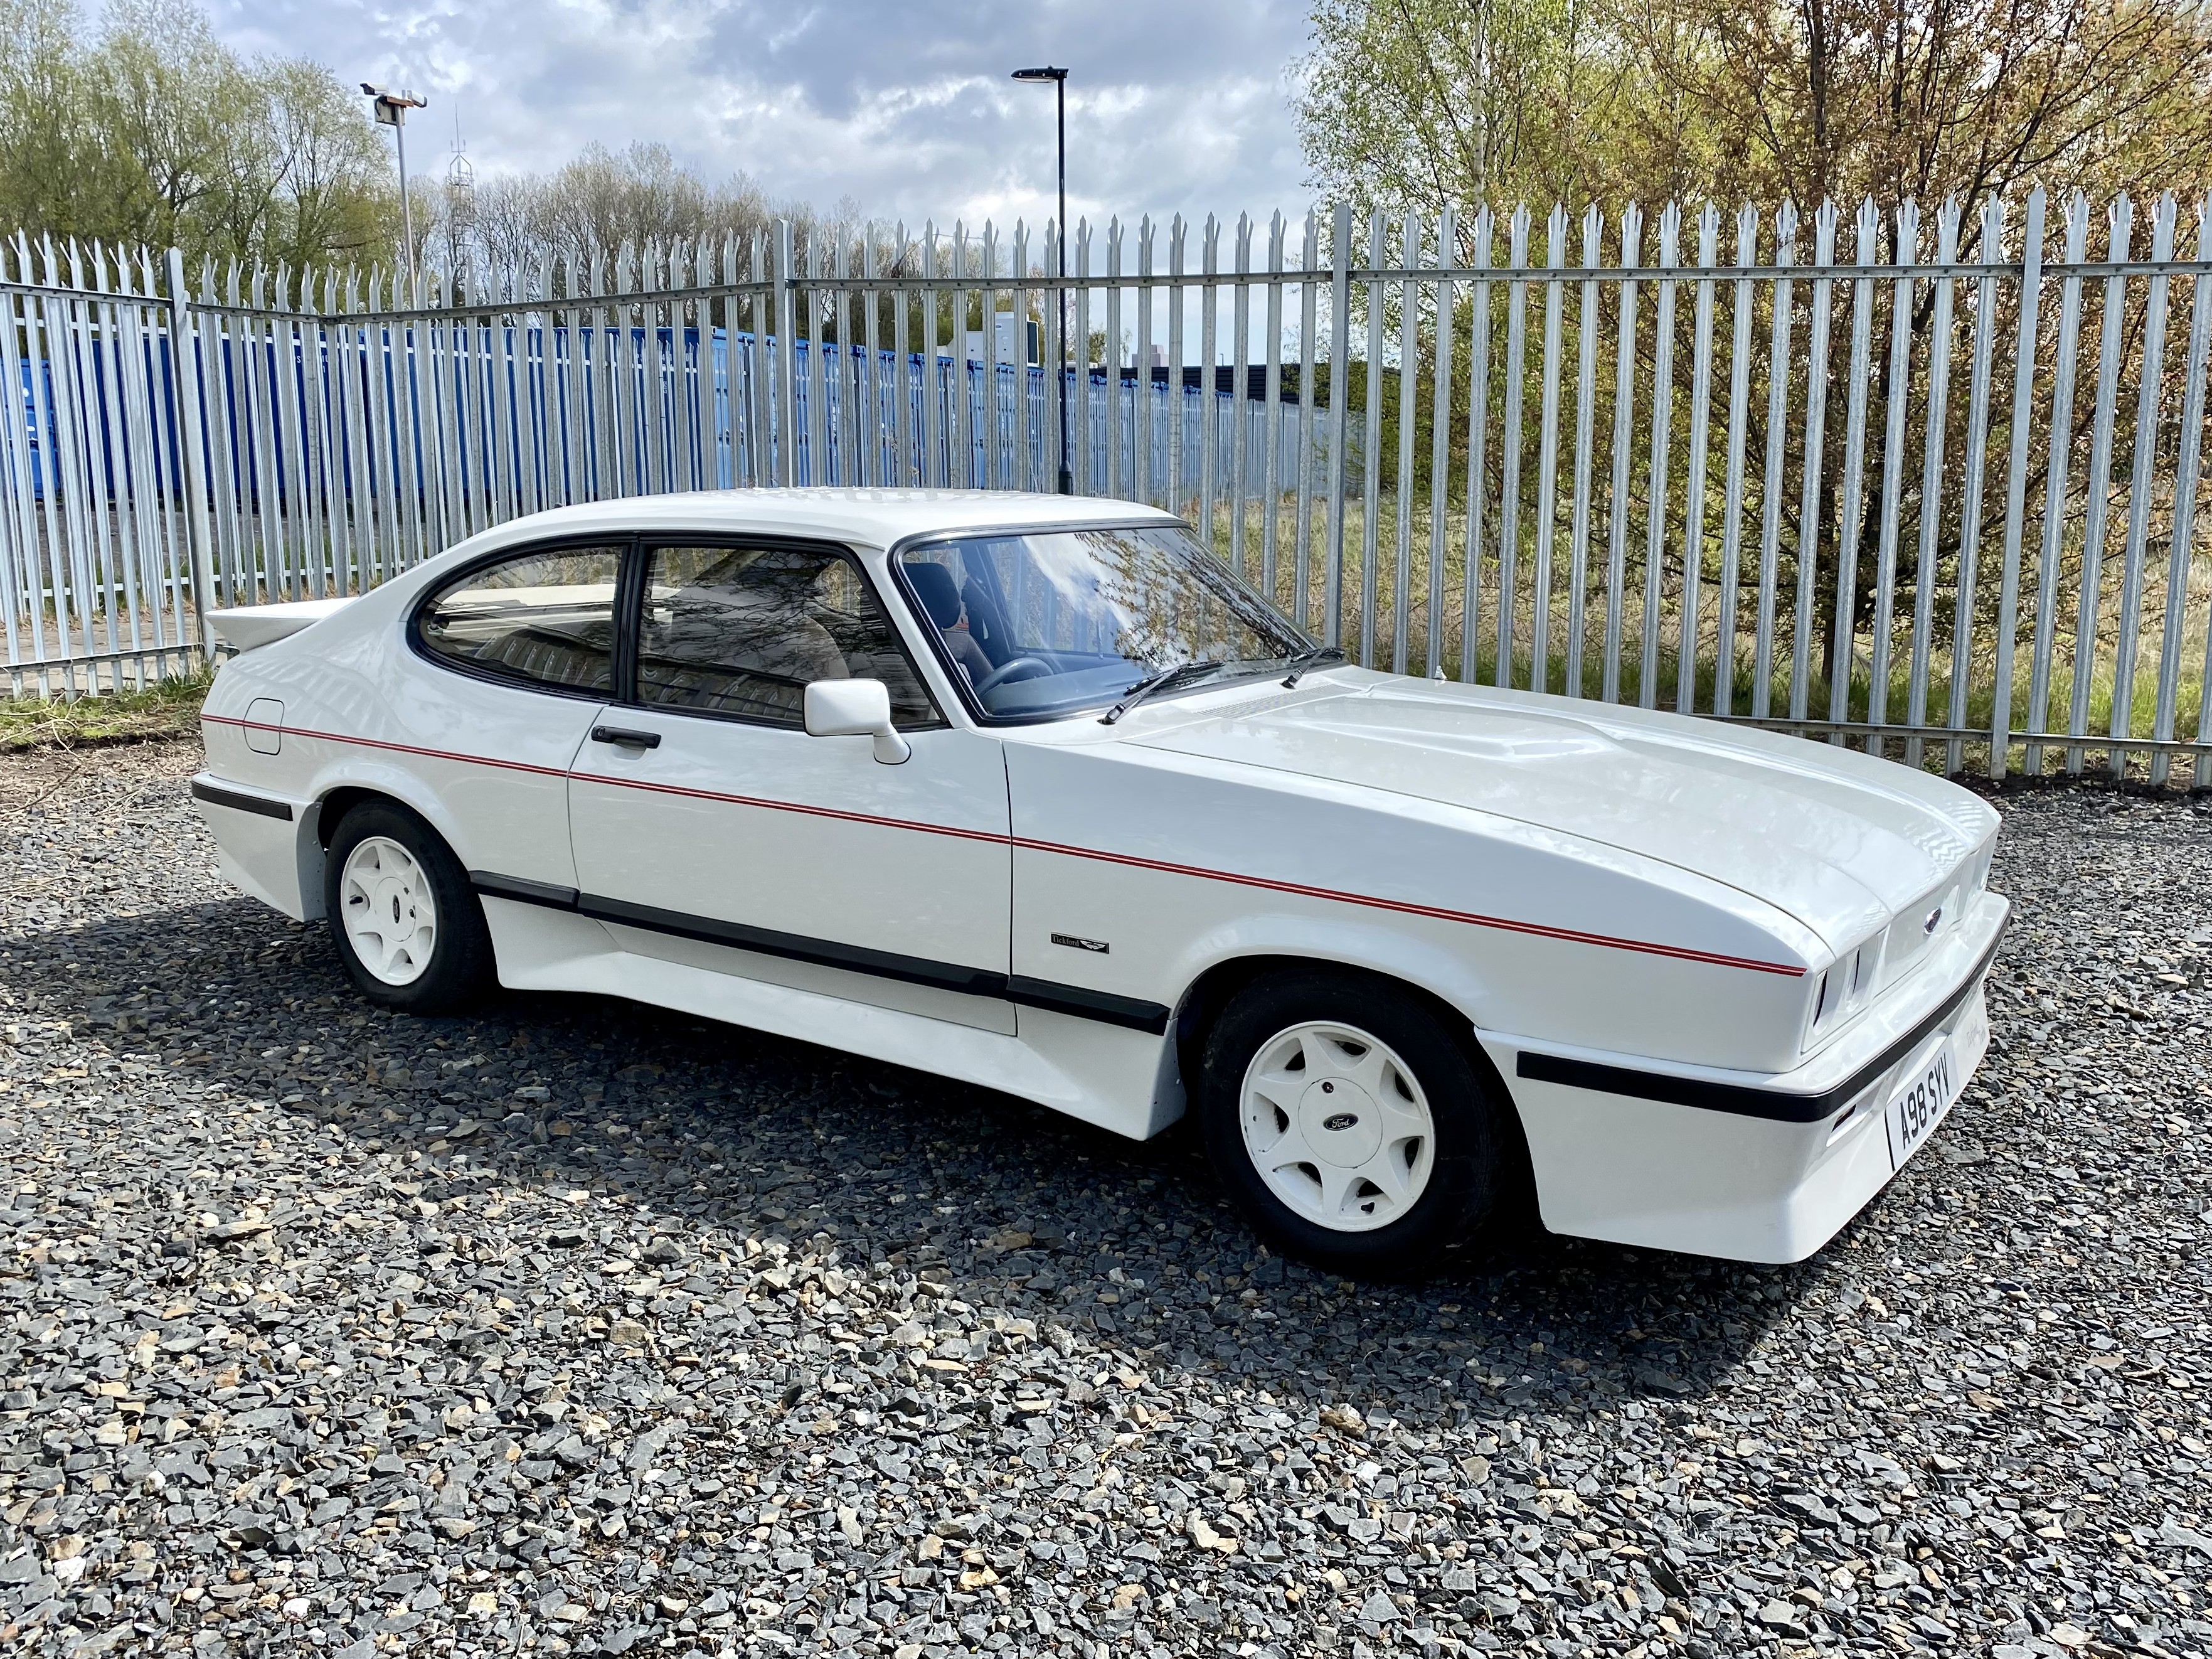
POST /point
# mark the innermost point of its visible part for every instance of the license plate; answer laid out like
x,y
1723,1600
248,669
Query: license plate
x,y
1921,1101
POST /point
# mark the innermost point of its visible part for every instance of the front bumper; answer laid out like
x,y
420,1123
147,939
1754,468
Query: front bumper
x,y
1727,1164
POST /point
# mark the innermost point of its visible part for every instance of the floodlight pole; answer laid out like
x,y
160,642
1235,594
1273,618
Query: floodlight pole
x,y
406,208
1058,79
392,109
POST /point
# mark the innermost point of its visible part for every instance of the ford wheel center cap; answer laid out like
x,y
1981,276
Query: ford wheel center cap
x,y
1339,1122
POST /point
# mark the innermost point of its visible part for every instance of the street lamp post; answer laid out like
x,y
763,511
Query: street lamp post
x,y
392,109
1058,79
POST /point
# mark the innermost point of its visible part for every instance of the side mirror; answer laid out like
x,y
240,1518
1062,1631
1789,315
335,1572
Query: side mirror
x,y
855,708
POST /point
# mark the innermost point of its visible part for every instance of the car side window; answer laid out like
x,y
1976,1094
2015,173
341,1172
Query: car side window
x,y
545,617
742,631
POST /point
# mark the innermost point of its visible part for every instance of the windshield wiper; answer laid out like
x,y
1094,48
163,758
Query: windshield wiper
x,y
1305,660
1159,681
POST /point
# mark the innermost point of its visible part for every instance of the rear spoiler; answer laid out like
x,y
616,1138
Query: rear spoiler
x,y
245,627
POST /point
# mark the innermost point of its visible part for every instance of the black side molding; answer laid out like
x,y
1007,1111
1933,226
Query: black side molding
x,y
259,805
1076,1000
1086,1004
524,892
1737,1098
796,947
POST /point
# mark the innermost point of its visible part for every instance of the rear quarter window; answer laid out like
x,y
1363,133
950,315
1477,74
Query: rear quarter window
x,y
544,618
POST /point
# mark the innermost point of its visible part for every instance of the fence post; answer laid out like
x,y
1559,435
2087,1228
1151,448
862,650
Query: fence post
x,y
191,413
1409,358
1548,463
2184,547
1509,457
787,446
1370,451
1440,436
1339,347
1624,418
1770,493
1802,647
2023,404
2150,385
2119,228
1964,596
1724,633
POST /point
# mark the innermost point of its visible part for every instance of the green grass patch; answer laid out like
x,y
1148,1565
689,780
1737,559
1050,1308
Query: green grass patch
x,y
165,710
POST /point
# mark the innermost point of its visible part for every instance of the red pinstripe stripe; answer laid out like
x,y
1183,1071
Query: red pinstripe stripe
x,y
1407,906
392,748
794,807
1198,872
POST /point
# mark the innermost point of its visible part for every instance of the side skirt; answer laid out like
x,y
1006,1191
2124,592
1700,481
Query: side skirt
x,y
1080,1001
1103,1074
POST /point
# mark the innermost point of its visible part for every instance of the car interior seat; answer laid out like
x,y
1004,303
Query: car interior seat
x,y
988,623
933,586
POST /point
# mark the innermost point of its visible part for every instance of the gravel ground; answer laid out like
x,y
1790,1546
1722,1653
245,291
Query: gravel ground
x,y
580,1328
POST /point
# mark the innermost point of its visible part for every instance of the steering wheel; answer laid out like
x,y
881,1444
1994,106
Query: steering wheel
x,y
1005,671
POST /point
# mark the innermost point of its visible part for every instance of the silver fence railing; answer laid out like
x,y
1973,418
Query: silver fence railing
x,y
1924,485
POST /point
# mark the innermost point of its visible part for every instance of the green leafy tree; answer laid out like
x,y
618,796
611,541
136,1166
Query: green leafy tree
x,y
1426,104
151,132
1422,103
1430,103
49,174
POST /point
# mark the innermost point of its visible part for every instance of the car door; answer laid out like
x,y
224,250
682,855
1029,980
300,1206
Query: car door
x,y
709,828
522,648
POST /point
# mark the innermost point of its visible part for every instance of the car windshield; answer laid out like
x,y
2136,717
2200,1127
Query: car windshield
x,y
1048,623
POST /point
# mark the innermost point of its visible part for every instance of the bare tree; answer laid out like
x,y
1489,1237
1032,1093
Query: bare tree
x,y
604,201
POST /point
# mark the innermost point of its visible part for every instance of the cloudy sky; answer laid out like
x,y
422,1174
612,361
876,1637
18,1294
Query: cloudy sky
x,y
1175,106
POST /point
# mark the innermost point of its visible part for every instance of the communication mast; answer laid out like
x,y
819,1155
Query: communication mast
x,y
460,202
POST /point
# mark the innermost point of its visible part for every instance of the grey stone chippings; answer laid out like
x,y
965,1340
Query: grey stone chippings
x,y
573,1327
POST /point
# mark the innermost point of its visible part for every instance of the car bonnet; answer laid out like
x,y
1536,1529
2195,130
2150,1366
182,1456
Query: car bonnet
x,y
1840,841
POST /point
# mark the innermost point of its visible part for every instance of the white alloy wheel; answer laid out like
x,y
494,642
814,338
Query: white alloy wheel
x,y
1338,1126
391,917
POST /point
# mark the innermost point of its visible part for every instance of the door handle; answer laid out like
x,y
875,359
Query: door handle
x,y
625,738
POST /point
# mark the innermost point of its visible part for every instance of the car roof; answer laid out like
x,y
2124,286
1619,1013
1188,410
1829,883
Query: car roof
x,y
867,518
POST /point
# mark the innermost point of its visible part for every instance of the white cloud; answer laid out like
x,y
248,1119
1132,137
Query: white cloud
x,y
1174,106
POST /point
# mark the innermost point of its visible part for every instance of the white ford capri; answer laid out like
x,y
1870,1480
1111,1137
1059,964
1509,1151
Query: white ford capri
x,y
1033,792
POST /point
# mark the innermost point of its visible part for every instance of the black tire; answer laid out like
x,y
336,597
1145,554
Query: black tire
x,y
1476,1163
459,969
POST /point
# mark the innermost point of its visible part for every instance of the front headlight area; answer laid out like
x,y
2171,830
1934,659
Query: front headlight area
x,y
1841,991
1887,957
1978,868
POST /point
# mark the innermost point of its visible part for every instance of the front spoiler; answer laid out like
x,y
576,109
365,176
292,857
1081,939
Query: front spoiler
x,y
1783,1103
1725,1164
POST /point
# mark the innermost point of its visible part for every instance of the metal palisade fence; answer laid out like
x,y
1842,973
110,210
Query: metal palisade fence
x,y
1925,484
